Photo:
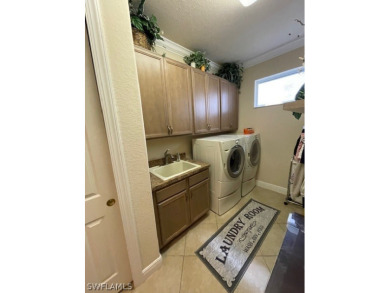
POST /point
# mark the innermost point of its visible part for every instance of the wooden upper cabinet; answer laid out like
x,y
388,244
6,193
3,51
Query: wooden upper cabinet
x,y
206,101
225,119
150,69
178,88
213,101
199,100
233,108
229,106
165,87
178,99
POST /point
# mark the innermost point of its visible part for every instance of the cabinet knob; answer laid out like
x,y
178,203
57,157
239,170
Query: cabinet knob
x,y
231,125
170,130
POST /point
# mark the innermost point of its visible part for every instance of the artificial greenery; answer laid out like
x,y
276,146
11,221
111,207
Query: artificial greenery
x,y
231,72
144,23
199,58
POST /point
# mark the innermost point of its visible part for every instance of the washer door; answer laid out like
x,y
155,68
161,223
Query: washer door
x,y
254,153
235,161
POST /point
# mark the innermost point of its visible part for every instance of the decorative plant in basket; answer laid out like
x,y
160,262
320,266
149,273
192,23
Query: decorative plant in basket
x,y
231,72
145,29
198,57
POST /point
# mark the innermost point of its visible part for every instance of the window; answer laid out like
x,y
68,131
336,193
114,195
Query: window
x,y
279,88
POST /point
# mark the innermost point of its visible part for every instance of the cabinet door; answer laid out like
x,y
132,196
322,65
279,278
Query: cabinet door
x,y
199,200
213,103
225,117
233,106
150,68
173,216
199,100
229,106
178,80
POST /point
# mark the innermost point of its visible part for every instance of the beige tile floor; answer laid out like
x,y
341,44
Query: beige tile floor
x,y
183,272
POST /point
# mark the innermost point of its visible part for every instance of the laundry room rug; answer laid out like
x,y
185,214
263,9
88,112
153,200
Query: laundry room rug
x,y
229,252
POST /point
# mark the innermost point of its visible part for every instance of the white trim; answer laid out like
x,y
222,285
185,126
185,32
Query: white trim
x,y
177,49
173,47
103,78
152,267
275,52
269,186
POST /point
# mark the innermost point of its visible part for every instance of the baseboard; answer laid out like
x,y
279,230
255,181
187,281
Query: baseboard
x,y
269,186
156,264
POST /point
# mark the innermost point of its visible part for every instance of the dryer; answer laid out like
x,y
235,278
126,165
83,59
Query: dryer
x,y
226,157
252,160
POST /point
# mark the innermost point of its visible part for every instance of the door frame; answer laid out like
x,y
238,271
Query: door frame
x,y
103,78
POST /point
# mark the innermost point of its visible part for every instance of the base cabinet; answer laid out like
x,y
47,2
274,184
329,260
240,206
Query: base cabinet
x,y
180,205
200,204
173,218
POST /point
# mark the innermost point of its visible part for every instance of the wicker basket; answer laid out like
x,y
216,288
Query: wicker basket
x,y
140,39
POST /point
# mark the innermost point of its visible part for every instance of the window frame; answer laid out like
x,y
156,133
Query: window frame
x,y
292,71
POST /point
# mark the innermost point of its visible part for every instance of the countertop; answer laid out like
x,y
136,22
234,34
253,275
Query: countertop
x,y
158,183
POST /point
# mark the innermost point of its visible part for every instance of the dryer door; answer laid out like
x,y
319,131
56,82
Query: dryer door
x,y
235,161
254,153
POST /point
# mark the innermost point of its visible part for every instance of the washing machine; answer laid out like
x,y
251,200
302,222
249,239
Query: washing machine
x,y
252,160
226,157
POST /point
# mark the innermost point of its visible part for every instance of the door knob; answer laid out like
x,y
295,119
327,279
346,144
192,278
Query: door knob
x,y
111,202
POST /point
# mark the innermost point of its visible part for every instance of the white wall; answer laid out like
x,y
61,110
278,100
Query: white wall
x,y
278,129
114,59
178,144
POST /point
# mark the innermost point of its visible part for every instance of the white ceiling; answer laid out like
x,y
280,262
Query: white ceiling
x,y
228,31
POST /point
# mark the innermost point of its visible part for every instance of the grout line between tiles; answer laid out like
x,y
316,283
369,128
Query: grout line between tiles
x,y
184,256
268,266
181,276
265,263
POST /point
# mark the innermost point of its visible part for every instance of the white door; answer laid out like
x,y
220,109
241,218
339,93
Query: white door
x,y
106,260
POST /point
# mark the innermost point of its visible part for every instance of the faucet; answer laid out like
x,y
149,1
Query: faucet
x,y
167,156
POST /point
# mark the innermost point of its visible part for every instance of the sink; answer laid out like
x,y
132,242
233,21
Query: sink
x,y
171,170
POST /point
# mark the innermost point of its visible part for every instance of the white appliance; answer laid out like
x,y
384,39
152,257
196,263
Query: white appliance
x,y
252,160
226,157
